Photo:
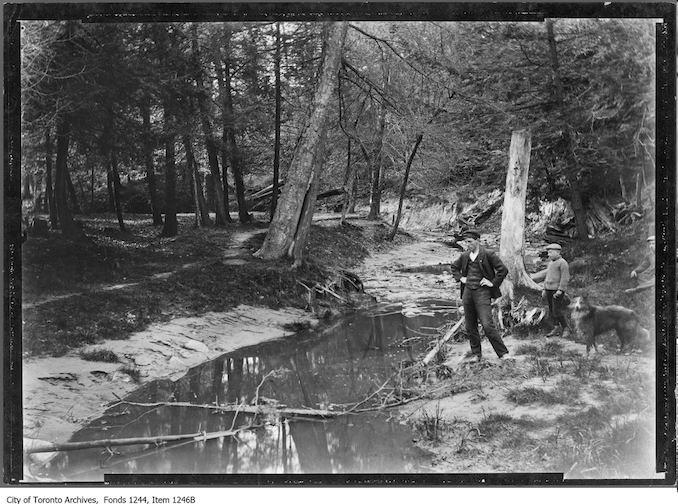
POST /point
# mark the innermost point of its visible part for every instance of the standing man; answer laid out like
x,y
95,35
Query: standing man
x,y
556,277
645,271
480,272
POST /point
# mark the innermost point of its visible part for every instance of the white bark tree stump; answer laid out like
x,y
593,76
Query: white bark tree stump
x,y
513,214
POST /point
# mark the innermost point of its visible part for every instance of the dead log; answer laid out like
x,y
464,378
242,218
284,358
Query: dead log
x,y
84,445
244,408
429,356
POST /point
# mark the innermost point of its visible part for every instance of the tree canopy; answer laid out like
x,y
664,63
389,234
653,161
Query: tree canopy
x,y
139,98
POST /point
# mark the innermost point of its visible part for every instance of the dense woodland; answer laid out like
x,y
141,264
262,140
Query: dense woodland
x,y
163,118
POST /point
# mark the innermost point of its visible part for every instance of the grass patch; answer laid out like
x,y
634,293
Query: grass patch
x,y
540,366
131,371
527,349
99,356
431,425
566,391
552,349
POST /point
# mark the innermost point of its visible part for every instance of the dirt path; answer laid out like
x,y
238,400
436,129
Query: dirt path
x,y
390,277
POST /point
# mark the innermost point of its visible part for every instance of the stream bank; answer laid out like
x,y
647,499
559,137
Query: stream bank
x,y
544,411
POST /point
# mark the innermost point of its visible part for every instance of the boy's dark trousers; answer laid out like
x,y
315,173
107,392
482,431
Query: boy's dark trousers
x,y
477,307
557,307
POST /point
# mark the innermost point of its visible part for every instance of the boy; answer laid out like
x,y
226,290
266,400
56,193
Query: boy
x,y
556,277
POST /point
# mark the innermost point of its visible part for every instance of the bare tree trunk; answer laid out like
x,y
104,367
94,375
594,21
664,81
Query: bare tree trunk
x,y
171,226
378,166
210,142
116,189
68,226
283,228
229,125
403,187
349,182
148,159
276,144
375,177
304,229
224,135
51,201
572,175
202,218
513,213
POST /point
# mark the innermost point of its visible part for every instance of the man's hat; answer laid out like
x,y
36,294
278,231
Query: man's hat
x,y
553,246
650,238
470,233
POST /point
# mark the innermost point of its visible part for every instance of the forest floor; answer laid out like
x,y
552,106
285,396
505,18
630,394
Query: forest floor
x,y
129,307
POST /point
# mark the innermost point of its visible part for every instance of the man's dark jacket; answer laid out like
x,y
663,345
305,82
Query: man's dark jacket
x,y
490,265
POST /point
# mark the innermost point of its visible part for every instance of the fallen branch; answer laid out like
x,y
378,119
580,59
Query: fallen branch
x,y
84,445
243,408
429,357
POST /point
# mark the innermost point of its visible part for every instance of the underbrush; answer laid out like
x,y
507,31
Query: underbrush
x,y
99,356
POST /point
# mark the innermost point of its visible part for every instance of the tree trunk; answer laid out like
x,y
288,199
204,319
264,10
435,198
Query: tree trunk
x,y
283,228
513,214
571,174
51,201
149,145
349,182
229,125
171,226
68,226
375,177
202,218
83,196
209,191
71,193
224,136
304,228
403,188
378,166
276,144
109,188
210,142
116,190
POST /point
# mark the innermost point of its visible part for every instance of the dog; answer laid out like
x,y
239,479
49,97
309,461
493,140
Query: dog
x,y
590,320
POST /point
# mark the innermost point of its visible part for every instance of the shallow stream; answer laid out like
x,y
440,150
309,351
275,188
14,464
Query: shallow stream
x,y
328,369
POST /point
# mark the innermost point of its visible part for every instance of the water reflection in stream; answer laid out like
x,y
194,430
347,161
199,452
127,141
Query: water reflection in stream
x,y
338,367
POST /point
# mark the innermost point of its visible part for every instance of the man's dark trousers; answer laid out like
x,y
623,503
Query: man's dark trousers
x,y
477,307
557,307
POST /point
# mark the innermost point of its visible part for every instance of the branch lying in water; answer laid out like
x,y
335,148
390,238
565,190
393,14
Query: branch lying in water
x,y
429,357
84,445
